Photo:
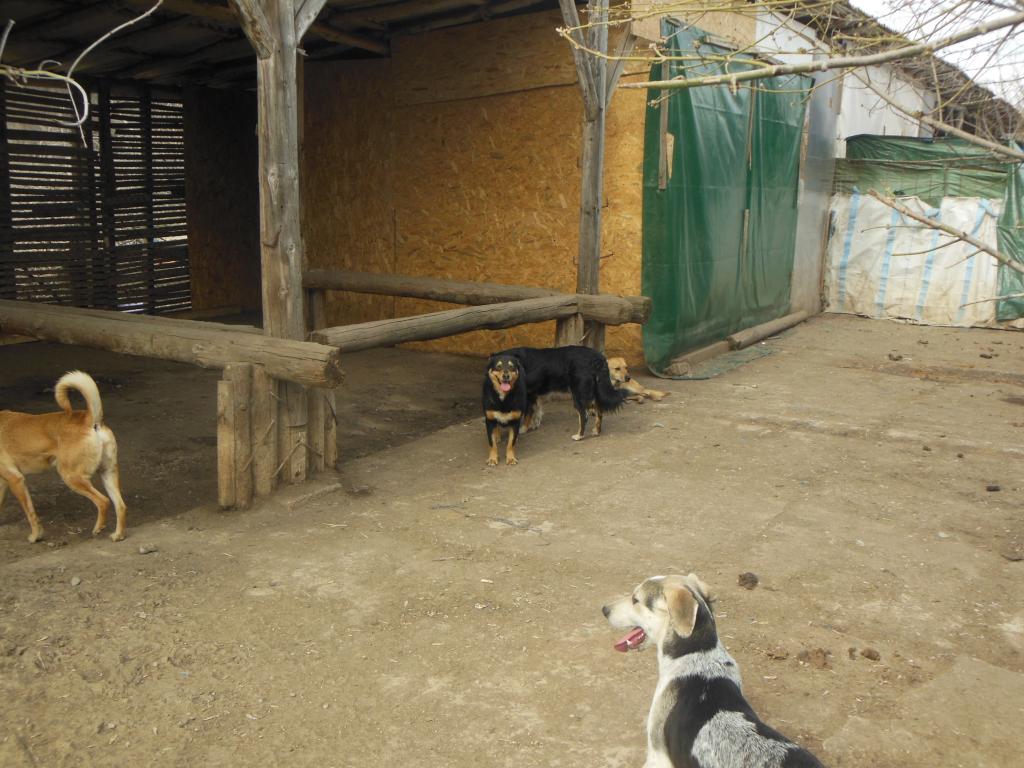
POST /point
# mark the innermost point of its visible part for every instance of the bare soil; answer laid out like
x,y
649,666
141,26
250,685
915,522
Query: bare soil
x,y
419,609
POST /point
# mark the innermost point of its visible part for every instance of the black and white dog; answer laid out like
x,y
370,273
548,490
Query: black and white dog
x,y
699,718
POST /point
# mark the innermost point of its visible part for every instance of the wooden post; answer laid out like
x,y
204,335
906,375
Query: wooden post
x,y
330,429
317,430
593,75
240,377
264,431
270,26
225,445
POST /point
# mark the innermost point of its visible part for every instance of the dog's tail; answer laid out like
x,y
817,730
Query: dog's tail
x,y
87,387
608,397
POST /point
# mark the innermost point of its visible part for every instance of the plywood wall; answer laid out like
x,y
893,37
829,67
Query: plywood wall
x,y
349,215
222,199
460,159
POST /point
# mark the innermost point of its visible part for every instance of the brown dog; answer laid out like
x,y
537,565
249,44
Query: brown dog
x,y
75,443
622,380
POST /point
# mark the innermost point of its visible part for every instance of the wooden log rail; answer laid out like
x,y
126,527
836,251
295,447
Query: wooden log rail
x,y
435,325
602,308
209,345
251,457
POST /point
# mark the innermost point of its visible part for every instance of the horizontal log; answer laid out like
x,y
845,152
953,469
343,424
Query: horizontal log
x,y
209,345
749,336
386,333
604,308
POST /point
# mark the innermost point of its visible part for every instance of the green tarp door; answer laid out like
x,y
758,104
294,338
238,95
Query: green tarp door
x,y
720,189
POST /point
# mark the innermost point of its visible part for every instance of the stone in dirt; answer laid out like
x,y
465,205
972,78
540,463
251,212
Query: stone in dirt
x,y
748,580
870,653
146,549
75,581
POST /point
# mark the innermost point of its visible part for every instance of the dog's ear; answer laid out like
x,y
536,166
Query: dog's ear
x,y
682,610
705,591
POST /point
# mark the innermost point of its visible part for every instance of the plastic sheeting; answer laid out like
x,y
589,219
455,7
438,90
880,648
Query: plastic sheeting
x,y
720,192
951,177
883,265
1011,243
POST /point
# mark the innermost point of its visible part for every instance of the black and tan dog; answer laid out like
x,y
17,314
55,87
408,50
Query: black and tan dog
x,y
504,402
580,371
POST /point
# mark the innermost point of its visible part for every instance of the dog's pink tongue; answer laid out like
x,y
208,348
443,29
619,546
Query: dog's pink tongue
x,y
632,640
505,386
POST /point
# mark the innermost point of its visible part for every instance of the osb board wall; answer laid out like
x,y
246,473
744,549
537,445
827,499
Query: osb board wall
x,y
222,199
348,179
477,60
477,185
738,28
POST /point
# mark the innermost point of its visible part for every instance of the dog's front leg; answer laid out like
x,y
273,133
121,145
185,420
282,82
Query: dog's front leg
x,y
492,441
513,438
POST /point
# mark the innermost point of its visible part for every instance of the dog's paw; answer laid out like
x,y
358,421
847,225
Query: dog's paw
x,y
492,462
511,461
117,536
35,536
577,437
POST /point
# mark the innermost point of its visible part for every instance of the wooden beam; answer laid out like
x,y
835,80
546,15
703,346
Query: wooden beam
x,y
583,72
256,26
221,14
613,310
209,345
306,12
411,9
387,333
328,32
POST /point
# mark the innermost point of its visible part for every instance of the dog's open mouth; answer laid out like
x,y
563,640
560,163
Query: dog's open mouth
x,y
633,640
505,386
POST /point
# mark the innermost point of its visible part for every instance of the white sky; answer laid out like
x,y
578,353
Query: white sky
x,y
995,60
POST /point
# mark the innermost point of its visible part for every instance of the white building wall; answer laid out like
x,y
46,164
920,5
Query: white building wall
x,y
863,111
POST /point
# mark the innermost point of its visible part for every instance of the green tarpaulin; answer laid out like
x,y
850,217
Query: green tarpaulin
x,y
932,169
720,189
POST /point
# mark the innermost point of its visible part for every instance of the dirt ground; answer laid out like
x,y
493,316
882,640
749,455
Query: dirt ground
x,y
419,609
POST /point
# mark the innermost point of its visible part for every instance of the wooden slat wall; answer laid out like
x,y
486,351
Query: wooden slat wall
x,y
97,217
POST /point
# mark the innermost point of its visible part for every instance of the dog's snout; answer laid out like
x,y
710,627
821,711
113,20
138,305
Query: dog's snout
x,y
628,377
605,610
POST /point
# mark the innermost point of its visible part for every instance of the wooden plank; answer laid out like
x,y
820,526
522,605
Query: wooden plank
x,y
613,310
225,445
240,377
8,289
264,431
209,345
386,333
330,428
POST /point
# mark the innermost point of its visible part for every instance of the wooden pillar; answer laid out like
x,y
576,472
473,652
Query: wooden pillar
x,y
264,431
234,437
270,26
592,73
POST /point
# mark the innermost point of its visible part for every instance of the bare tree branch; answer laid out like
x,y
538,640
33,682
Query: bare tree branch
x,y
839,62
960,234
